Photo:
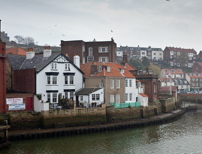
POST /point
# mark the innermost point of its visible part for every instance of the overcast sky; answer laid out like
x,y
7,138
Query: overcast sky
x,y
155,23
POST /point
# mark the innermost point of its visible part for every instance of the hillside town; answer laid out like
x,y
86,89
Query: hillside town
x,y
92,79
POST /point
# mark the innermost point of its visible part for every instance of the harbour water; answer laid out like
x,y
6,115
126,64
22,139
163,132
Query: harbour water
x,y
178,137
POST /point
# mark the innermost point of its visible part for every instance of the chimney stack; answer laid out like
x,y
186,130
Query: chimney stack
x,y
77,61
47,51
30,53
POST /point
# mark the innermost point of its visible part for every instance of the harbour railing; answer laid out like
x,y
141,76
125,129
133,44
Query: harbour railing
x,y
125,105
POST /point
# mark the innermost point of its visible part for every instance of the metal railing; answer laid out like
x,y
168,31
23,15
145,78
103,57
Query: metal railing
x,y
125,105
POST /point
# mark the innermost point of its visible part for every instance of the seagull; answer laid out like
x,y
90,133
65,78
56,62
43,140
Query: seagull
x,y
112,31
168,0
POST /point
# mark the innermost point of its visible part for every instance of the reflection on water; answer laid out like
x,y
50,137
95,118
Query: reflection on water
x,y
181,136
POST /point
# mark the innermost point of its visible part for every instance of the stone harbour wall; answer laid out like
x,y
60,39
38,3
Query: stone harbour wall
x,y
73,117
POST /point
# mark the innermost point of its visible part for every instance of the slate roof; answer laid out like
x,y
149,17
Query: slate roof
x,y
38,61
87,91
114,70
180,82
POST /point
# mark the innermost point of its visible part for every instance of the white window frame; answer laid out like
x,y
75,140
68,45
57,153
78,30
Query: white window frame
x,y
126,83
66,79
118,84
111,98
103,49
117,98
130,97
48,97
54,97
93,97
71,79
97,97
130,83
126,97
54,82
112,84
48,80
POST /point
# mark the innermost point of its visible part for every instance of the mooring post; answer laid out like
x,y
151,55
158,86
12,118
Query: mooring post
x,y
6,130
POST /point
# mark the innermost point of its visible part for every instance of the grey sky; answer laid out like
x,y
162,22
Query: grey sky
x,y
155,23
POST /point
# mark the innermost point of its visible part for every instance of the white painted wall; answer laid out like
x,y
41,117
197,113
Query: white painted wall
x,y
39,106
132,90
41,80
143,100
87,99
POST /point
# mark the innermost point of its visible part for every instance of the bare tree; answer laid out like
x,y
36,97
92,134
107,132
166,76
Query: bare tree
x,y
19,38
28,40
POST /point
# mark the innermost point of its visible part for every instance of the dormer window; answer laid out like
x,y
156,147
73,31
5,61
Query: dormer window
x,y
121,70
99,68
108,68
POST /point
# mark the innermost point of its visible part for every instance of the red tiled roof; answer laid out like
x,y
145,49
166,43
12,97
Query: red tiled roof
x,y
173,71
129,67
114,70
163,79
182,50
16,51
138,80
195,76
143,95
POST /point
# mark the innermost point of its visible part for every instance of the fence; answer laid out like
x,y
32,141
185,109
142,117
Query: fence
x,y
125,105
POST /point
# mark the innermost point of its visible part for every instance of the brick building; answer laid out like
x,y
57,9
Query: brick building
x,y
149,83
2,75
153,54
195,80
197,68
179,57
119,84
102,51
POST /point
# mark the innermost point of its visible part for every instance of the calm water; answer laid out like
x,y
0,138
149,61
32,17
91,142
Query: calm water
x,y
179,137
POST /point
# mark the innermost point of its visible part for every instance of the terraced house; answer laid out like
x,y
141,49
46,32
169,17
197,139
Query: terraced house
x,y
179,57
195,80
119,84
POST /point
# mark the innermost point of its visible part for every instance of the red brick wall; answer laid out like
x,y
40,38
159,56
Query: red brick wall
x,y
196,68
166,54
2,77
73,48
24,81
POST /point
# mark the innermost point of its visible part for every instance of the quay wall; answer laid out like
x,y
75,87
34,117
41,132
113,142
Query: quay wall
x,y
85,116
94,129
73,117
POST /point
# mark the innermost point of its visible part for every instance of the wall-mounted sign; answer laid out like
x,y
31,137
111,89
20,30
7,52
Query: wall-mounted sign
x,y
16,107
14,100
